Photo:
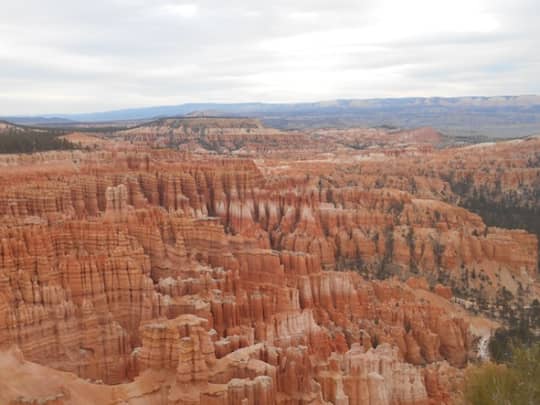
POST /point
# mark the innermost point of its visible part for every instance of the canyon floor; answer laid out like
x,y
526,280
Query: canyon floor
x,y
218,261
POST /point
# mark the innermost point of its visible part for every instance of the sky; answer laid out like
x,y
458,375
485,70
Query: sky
x,y
67,56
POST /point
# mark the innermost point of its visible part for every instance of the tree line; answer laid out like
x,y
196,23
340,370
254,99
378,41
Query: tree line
x,y
28,141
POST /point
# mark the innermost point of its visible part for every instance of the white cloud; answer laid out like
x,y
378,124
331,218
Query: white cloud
x,y
178,10
71,56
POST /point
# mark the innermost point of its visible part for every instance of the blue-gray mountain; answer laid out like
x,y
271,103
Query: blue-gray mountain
x,y
499,117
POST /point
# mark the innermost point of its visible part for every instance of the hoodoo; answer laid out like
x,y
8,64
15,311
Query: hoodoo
x,y
295,273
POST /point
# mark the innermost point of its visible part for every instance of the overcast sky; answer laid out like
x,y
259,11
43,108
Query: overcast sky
x,y
61,56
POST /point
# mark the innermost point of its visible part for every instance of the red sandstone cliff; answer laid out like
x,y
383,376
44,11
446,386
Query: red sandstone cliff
x,y
198,279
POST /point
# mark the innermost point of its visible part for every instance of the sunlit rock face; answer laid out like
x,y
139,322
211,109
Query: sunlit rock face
x,y
323,267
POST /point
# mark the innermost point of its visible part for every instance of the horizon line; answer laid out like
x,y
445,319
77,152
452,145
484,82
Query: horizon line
x,y
126,109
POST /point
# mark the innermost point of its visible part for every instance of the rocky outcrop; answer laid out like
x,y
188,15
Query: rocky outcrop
x,y
188,278
373,377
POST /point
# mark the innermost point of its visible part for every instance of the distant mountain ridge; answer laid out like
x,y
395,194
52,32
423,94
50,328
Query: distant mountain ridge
x,y
504,116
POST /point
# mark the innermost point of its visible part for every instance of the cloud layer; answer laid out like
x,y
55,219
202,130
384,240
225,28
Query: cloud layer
x,y
74,56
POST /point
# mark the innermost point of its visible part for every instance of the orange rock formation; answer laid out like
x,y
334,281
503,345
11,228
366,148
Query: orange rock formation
x,y
179,277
